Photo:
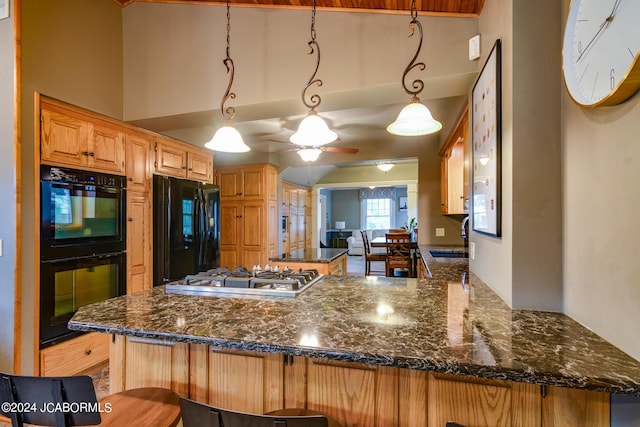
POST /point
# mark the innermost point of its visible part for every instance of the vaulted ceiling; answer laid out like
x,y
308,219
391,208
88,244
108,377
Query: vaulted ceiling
x,y
457,8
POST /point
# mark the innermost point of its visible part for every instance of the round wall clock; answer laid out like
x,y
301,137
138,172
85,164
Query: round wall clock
x,y
600,51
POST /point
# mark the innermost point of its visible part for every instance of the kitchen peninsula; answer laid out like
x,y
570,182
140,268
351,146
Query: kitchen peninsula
x,y
369,351
325,260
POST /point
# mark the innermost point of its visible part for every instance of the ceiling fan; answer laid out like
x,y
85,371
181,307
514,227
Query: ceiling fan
x,y
321,148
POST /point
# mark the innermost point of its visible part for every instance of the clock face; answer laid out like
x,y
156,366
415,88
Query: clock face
x,y
600,51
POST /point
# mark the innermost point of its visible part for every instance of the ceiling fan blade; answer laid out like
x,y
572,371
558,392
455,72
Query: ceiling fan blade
x,y
340,150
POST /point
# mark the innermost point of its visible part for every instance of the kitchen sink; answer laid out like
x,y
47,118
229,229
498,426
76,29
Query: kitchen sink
x,y
444,253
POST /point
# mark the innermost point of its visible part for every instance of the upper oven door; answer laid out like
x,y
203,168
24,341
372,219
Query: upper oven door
x,y
81,220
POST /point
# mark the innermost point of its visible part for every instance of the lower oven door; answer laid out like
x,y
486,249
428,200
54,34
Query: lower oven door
x,y
68,284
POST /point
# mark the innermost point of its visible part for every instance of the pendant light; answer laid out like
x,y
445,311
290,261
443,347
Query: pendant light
x,y
415,119
227,139
309,154
313,130
385,167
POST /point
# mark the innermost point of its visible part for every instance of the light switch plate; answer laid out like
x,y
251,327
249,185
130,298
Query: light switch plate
x,y
439,232
474,47
472,250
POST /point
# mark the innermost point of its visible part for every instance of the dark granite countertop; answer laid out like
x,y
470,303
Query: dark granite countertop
x,y
442,324
311,255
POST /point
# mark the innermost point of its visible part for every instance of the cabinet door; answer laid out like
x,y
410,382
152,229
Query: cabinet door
x,y
293,230
64,139
272,183
200,167
272,228
230,182
253,184
139,247
286,199
246,381
229,235
139,362
254,223
301,230
137,162
481,403
106,149
171,159
355,395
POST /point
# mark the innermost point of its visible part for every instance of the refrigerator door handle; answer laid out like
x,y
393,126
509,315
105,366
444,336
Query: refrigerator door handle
x,y
201,225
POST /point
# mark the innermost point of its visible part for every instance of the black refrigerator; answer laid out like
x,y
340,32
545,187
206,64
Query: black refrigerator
x,y
186,228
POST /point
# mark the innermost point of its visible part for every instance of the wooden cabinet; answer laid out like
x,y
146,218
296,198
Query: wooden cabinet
x,y
248,182
336,267
455,167
140,362
181,160
74,356
296,207
248,215
138,152
352,393
73,140
139,241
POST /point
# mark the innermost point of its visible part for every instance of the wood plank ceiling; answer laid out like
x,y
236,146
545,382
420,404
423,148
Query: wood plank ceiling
x,y
456,8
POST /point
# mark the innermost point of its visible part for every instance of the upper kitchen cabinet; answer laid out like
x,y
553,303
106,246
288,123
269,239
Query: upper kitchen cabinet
x,y
138,146
454,167
183,160
71,139
248,182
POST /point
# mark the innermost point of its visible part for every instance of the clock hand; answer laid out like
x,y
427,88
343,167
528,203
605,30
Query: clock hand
x,y
605,24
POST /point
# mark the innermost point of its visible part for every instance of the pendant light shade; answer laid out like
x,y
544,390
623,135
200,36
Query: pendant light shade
x,y
385,167
415,119
313,131
227,139
310,154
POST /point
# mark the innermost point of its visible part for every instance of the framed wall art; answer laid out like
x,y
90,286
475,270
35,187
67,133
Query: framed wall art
x,y
486,132
4,9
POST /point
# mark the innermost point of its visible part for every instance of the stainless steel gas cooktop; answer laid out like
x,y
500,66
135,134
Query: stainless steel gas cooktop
x,y
241,281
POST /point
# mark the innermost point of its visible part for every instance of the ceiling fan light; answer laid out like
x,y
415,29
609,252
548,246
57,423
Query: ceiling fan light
x,y
313,131
227,140
310,154
386,167
415,119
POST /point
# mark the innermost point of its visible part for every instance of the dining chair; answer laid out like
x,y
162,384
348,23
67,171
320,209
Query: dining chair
x,y
195,414
398,253
71,401
369,256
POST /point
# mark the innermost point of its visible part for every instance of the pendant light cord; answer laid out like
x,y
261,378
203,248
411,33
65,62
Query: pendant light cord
x,y
417,84
315,99
229,112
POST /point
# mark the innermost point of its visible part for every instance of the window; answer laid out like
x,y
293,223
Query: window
x,y
377,213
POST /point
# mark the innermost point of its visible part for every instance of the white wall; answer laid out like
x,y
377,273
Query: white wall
x,y
601,151
7,191
173,54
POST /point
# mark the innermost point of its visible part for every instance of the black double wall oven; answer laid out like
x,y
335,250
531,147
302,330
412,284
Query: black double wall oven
x,y
82,245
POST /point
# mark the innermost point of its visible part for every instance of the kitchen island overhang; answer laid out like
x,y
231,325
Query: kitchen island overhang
x,y
392,322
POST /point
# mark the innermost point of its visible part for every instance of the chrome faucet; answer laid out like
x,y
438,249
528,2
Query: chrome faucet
x,y
463,227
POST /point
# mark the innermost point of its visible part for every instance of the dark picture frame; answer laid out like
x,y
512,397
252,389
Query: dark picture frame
x,y
486,133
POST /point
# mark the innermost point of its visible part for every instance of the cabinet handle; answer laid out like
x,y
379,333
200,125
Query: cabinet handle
x,y
87,351
190,169
130,179
92,154
85,153
130,219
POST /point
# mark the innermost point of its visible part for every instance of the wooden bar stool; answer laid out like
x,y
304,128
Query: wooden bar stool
x,y
71,401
